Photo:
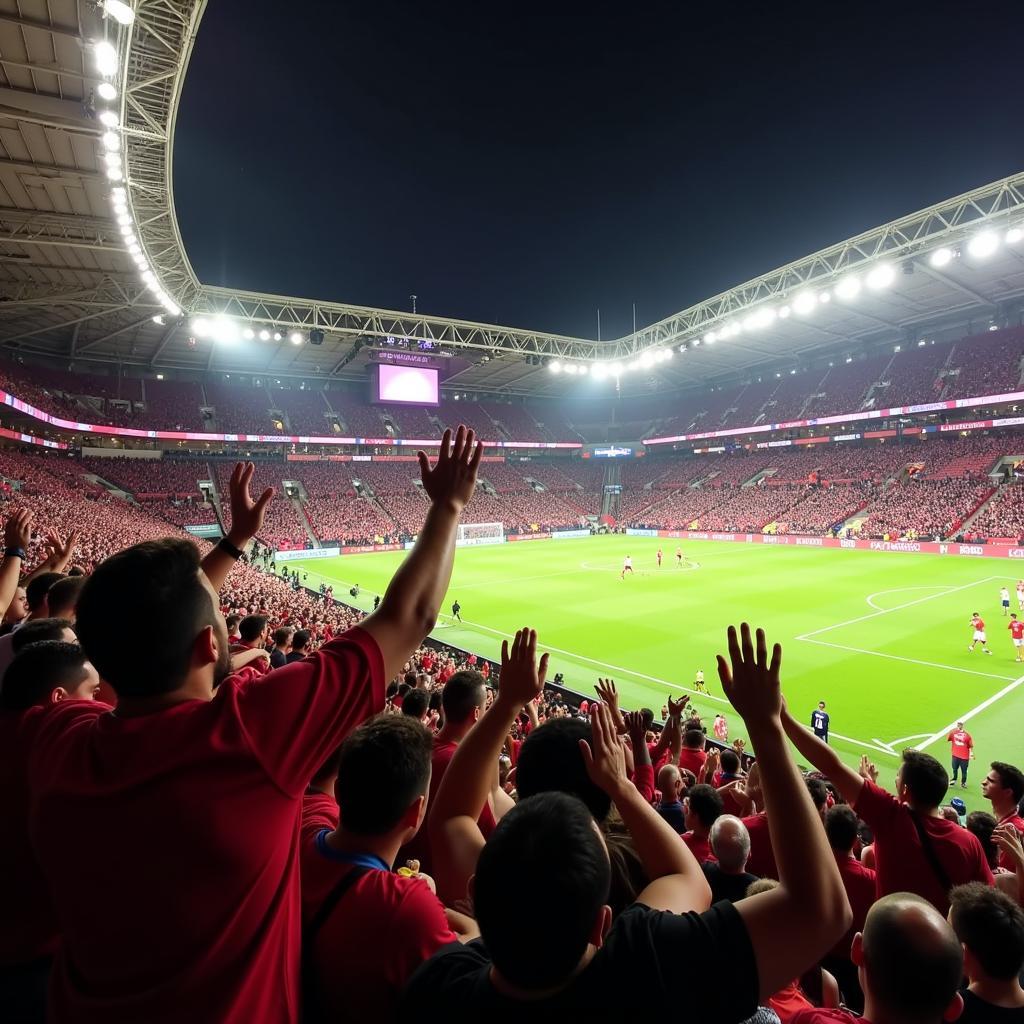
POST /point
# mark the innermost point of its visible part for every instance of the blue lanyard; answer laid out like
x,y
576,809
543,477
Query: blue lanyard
x,y
363,860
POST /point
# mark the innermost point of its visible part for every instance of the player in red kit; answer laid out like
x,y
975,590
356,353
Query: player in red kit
x,y
659,558
978,624
962,749
1016,628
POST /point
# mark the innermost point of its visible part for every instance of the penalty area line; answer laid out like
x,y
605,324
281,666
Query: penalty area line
x,y
968,715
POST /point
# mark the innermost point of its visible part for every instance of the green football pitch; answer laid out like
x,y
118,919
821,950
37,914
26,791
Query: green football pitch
x,y
882,637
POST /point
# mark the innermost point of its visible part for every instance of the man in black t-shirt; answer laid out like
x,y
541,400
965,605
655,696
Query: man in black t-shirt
x,y
730,843
456,610
819,721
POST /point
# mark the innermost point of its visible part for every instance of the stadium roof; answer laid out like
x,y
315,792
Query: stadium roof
x,y
70,284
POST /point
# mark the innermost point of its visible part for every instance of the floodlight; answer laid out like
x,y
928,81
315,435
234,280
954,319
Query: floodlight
x,y
200,326
555,366
616,369
295,338
277,335
667,354
881,276
134,249
264,335
849,359
805,303
1013,236
848,288
121,12
982,245
922,343
159,319
710,338
120,194
106,57
112,159
111,141
107,118
124,220
825,297
784,313
600,371
647,359
147,275
570,368
941,257
224,329
115,174
248,334
172,307
106,91
583,369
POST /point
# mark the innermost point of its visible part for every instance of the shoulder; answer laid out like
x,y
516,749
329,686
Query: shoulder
x,y
447,978
822,1016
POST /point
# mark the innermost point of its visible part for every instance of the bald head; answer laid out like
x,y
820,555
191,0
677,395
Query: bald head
x,y
911,961
670,782
730,843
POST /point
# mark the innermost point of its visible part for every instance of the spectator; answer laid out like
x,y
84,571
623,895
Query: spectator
x,y
910,966
300,643
225,940
366,928
703,807
40,630
670,783
572,959
1003,787
253,631
417,705
730,845
692,756
282,646
37,608
916,849
232,622
62,597
982,825
991,928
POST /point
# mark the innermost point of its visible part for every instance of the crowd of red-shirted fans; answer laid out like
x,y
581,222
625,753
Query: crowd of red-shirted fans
x,y
228,797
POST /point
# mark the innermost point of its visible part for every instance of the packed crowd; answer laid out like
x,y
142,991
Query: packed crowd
x,y
924,508
297,812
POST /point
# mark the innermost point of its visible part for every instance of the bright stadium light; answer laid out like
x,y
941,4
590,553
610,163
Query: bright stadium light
x,y
159,319
120,194
804,303
134,249
583,369
295,338
277,335
248,334
107,118
825,297
759,318
710,338
555,366
647,359
115,174
1013,236
106,57
121,12
111,141
124,220
982,245
784,313
223,329
600,371
616,369
941,257
880,277
570,368
112,159
106,91
264,335
848,288
172,307
200,326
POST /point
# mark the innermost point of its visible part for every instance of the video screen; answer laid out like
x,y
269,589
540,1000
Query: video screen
x,y
407,385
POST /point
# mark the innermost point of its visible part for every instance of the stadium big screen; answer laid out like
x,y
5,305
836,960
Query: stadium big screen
x,y
404,385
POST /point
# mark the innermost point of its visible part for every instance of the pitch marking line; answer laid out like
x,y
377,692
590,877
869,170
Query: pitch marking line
x,y
632,674
892,744
898,590
968,715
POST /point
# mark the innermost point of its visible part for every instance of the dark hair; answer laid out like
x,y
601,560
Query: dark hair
x,y
251,627
1010,777
706,802
157,580
410,678
819,792
546,843
328,770
926,779
415,703
300,638
435,701
283,634
648,716
383,766
730,761
991,926
694,739
232,621
841,827
63,595
912,973
462,695
983,824
38,630
550,761
38,670
37,589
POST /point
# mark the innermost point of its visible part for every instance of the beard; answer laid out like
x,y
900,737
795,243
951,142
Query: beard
x,y
222,669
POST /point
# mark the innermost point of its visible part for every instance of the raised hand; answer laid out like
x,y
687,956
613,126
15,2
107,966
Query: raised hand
x,y
246,514
711,765
610,695
867,769
453,477
1009,840
521,676
635,729
750,680
18,529
676,707
604,757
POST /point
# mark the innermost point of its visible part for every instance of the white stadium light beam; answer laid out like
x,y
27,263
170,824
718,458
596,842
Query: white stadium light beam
x,y
983,245
941,257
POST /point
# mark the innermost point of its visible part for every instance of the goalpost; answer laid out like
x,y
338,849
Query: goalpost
x,y
473,534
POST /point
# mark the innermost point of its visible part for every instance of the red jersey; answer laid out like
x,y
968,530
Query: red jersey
x,y
860,884
699,846
1016,628
383,928
978,623
961,743
193,904
692,759
901,864
1018,823
762,857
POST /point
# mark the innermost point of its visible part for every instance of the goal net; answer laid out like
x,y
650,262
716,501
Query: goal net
x,y
471,534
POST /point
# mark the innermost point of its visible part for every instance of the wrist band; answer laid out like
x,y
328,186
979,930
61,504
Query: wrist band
x,y
14,553
229,549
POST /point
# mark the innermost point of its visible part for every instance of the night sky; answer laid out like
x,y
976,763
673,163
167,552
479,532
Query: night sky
x,y
527,163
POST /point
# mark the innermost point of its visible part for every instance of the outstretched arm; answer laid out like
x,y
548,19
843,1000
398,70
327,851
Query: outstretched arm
x,y
796,924
823,757
455,837
409,608
17,534
246,522
59,556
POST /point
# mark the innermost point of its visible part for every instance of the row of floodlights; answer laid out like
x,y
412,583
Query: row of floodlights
x,y
225,331
601,371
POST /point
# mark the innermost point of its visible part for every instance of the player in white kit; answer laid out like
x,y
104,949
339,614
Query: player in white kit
x,y
627,566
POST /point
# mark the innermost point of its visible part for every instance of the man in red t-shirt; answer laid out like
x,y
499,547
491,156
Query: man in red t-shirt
x,y
365,943
703,807
693,755
962,748
41,675
462,703
911,966
1016,628
191,794
1003,787
916,849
